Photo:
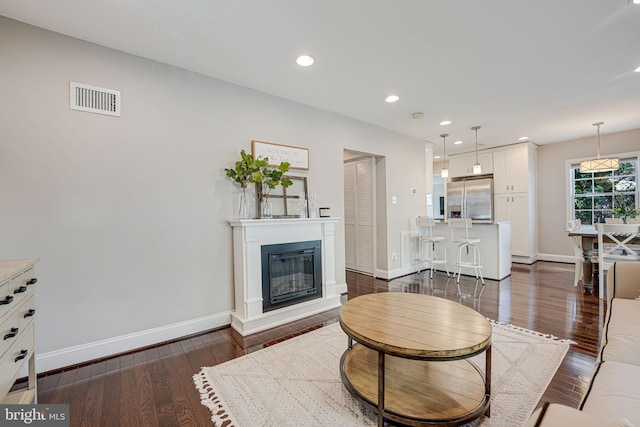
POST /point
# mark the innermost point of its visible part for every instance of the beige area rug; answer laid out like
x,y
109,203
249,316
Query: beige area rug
x,y
297,382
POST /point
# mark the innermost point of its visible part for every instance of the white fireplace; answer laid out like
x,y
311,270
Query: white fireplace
x,y
249,236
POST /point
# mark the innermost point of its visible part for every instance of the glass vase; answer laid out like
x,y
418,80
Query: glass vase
x,y
243,204
266,210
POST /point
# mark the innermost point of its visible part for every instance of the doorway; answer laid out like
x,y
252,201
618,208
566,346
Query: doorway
x,y
360,212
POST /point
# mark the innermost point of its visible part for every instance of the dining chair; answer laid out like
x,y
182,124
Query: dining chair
x,y
616,242
633,221
574,225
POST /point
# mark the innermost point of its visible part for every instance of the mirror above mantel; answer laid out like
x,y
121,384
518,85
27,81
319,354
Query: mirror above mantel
x,y
286,202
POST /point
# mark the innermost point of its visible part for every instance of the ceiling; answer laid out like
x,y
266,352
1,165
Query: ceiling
x,y
545,69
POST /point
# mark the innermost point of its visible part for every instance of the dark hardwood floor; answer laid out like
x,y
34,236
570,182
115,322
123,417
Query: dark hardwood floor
x,y
154,386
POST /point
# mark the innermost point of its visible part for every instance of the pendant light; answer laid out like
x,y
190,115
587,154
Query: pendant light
x,y
599,165
445,171
477,169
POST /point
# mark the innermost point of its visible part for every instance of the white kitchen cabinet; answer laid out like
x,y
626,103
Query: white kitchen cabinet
x,y
17,314
462,165
514,187
511,169
514,207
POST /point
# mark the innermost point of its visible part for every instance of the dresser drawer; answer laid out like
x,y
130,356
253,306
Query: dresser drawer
x,y
27,312
6,300
21,286
14,358
9,331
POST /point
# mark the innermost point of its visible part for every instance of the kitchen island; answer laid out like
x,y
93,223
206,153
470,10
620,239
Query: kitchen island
x,y
495,248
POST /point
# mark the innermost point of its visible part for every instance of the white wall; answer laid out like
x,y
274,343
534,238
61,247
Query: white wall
x,y
553,181
128,215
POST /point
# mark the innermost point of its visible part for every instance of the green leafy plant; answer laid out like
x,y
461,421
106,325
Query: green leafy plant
x,y
624,210
249,170
245,169
272,177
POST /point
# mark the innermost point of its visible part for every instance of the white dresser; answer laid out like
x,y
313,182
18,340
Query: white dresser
x,y
17,342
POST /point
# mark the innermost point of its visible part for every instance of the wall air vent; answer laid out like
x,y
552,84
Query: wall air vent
x,y
94,99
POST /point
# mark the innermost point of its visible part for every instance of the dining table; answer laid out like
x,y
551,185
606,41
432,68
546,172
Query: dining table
x,y
589,235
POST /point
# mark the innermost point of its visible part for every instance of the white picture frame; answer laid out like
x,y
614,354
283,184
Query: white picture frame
x,y
297,157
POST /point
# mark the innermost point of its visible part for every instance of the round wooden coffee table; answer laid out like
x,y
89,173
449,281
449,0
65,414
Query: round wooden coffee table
x,y
410,360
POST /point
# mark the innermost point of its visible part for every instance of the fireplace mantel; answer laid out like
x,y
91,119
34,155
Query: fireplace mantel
x,y
248,237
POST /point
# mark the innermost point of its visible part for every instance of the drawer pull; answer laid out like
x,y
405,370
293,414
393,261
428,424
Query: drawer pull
x,y
32,281
7,300
23,354
29,313
20,290
13,333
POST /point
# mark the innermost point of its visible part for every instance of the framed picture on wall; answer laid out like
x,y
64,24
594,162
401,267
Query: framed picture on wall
x,y
276,153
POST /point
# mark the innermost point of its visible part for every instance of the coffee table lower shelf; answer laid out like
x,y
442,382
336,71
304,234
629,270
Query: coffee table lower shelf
x,y
416,392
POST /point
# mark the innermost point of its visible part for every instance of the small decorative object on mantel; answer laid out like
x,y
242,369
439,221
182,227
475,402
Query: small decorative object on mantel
x,y
249,170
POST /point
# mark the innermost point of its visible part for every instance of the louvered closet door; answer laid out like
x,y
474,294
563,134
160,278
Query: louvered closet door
x,y
359,194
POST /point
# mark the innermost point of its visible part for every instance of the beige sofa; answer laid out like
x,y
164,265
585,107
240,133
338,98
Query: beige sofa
x,y
613,395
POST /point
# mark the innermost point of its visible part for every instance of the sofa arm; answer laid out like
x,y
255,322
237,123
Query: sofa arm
x,y
555,415
623,280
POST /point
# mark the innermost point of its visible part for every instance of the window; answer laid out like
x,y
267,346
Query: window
x,y
595,194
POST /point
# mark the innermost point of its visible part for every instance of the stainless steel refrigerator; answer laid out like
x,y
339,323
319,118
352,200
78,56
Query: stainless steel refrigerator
x,y
471,198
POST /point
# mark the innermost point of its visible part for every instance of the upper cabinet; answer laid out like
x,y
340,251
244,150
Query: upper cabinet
x,y
462,165
512,167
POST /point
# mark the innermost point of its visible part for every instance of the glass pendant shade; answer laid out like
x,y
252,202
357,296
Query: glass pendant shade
x,y
445,172
599,165
477,169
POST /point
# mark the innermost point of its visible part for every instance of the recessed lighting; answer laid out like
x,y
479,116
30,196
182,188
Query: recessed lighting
x,y
458,142
638,69
304,60
445,122
636,1
523,138
392,98
436,157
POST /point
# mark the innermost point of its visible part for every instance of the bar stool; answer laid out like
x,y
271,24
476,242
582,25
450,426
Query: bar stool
x,y
466,243
428,243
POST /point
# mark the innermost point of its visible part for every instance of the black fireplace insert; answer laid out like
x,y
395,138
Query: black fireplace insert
x,y
291,273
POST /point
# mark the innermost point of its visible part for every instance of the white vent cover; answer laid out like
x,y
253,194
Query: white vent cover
x,y
94,99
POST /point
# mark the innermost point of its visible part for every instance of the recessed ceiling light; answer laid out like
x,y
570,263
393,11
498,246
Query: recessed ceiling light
x,y
436,157
523,138
392,98
458,142
636,1
304,60
445,122
638,69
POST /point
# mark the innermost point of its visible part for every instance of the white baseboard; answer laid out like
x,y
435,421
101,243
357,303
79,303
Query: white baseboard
x,y
398,272
98,349
557,258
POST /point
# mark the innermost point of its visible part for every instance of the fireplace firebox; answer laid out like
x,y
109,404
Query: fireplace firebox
x,y
291,274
